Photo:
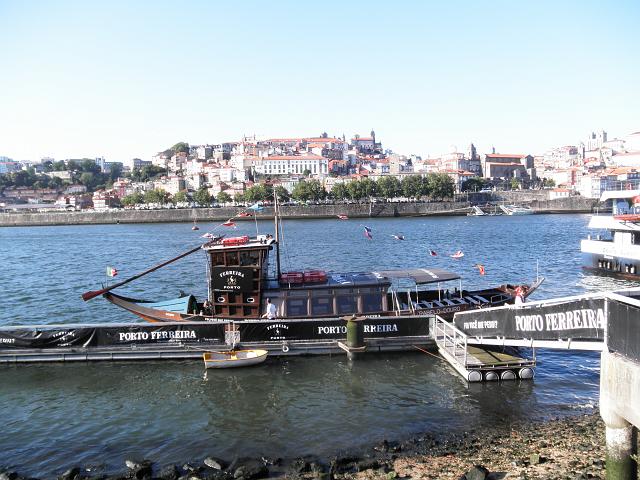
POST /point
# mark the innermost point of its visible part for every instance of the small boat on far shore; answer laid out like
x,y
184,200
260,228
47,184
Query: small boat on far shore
x,y
516,210
234,358
195,226
476,211
343,217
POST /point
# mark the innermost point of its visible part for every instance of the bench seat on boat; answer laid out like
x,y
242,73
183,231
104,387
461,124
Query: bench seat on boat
x,y
482,299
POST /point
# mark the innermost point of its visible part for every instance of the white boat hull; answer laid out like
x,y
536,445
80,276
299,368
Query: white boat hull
x,y
234,358
516,210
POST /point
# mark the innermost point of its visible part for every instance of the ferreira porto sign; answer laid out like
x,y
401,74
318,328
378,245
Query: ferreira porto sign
x,y
108,336
329,329
232,279
579,319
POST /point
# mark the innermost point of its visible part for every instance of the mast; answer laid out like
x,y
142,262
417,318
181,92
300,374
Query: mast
x,y
276,219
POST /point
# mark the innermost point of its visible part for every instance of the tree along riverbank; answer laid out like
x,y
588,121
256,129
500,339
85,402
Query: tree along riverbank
x,y
352,210
568,448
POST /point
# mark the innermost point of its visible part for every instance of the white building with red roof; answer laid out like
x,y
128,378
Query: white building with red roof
x,y
507,165
291,165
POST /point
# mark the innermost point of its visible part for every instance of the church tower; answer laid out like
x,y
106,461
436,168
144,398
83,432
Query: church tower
x,y
472,153
373,136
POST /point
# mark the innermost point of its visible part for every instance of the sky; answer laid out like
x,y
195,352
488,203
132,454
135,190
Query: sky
x,y
125,79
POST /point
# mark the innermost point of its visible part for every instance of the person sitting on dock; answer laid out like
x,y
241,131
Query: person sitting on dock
x,y
271,310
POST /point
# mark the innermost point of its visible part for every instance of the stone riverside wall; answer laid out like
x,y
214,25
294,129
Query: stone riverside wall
x,y
459,207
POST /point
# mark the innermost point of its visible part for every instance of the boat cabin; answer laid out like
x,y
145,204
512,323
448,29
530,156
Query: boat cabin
x,y
237,270
239,285
318,294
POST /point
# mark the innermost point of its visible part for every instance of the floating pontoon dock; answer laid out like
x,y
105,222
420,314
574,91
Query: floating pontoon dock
x,y
180,351
188,340
476,364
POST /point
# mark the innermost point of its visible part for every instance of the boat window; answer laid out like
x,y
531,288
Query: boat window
x,y
232,258
343,291
217,258
250,258
371,302
368,289
635,238
296,307
297,293
321,305
346,304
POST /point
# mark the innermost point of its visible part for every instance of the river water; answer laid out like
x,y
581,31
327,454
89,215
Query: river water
x,y
54,416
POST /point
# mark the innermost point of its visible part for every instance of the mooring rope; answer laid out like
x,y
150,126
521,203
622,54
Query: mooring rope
x,y
428,353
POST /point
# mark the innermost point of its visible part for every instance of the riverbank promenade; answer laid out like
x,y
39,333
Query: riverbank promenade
x,y
352,210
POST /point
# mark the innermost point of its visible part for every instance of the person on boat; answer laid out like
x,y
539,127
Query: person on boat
x,y
271,310
206,308
519,296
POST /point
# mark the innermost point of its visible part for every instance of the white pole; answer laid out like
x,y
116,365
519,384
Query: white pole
x,y
255,217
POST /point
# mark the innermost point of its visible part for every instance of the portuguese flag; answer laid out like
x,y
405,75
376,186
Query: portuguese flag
x,y
111,272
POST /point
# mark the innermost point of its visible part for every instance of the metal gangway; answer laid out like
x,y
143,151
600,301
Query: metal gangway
x,y
477,364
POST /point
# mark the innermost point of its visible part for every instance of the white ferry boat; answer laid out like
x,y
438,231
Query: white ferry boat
x,y
615,250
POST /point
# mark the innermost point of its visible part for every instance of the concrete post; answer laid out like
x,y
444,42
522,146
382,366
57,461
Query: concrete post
x,y
618,404
621,443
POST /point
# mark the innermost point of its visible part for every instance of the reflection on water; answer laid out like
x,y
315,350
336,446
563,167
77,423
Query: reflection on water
x,y
592,283
176,411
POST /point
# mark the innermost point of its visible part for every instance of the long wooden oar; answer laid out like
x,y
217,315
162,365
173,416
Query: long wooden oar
x,y
94,293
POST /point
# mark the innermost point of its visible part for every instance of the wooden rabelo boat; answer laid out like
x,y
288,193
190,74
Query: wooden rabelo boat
x,y
240,282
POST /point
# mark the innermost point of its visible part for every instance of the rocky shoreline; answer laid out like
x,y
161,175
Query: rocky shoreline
x,y
565,448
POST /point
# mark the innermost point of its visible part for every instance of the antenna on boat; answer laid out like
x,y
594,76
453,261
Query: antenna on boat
x,y
276,219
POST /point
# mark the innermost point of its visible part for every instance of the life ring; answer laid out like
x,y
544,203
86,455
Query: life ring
x,y
220,299
251,300
285,348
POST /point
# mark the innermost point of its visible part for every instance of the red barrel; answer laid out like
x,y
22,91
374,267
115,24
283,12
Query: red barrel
x,y
315,276
292,277
235,241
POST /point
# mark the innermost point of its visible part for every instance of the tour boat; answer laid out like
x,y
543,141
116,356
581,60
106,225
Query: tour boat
x,y
309,303
234,358
516,210
616,250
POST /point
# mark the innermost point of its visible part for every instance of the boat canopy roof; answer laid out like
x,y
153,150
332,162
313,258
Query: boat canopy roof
x,y
419,275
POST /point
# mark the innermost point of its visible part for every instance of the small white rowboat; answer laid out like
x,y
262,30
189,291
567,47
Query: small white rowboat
x,y
234,358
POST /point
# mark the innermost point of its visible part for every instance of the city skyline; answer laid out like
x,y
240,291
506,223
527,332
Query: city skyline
x,y
124,81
